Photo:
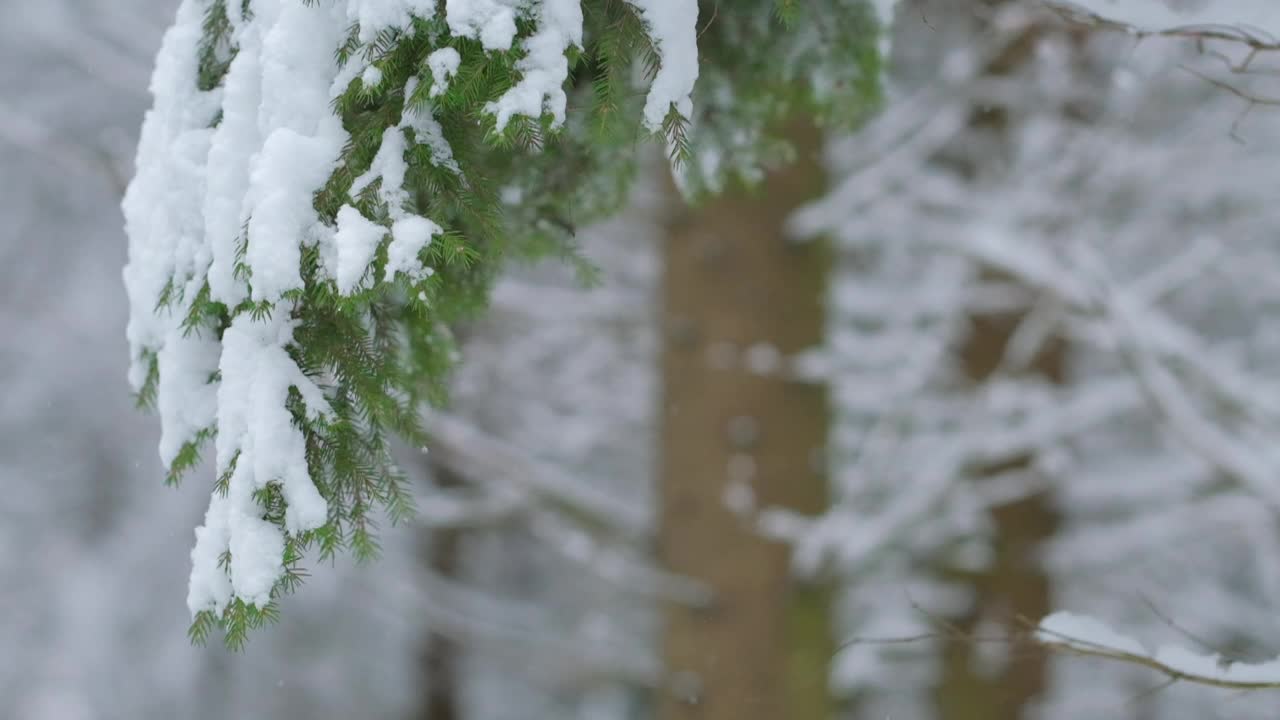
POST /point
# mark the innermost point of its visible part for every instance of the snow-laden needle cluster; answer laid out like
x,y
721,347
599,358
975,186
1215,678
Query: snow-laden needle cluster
x,y
313,198
323,186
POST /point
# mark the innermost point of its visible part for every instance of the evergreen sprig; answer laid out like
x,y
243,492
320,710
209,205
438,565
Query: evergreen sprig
x,y
519,191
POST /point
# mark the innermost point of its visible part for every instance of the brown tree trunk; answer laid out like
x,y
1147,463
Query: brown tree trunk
x,y
1016,588
735,289
439,659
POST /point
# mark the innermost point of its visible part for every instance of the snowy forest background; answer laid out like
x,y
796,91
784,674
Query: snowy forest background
x,y
1051,357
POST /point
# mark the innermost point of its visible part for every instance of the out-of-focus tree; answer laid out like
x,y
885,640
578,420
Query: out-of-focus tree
x,y
1142,238
549,609
738,296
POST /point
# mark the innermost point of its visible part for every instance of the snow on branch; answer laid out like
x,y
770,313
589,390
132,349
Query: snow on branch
x,y
1085,635
301,233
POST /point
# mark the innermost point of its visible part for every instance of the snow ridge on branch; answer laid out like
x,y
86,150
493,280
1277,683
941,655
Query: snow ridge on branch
x,y
1084,635
302,191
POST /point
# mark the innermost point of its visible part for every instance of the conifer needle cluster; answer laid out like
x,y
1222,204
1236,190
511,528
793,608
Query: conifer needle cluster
x,y
325,187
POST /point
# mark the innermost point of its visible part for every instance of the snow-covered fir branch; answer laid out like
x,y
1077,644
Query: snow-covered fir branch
x,y
323,188
304,196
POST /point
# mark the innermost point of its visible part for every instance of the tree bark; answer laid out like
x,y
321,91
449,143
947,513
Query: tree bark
x,y
738,295
1016,588
440,655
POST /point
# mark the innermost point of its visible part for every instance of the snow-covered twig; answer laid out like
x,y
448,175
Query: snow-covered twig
x,y
1084,635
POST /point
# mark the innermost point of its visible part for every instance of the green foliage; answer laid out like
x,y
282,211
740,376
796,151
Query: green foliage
x,y
519,192
765,62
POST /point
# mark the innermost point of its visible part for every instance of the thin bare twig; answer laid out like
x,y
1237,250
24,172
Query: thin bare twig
x,y
1193,637
1256,39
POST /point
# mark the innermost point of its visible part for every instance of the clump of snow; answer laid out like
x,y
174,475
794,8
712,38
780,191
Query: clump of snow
x,y
302,138
162,207
186,399
673,27
258,444
234,142
371,77
389,166
374,16
427,131
285,174
491,22
444,65
544,65
356,243
409,237
209,587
